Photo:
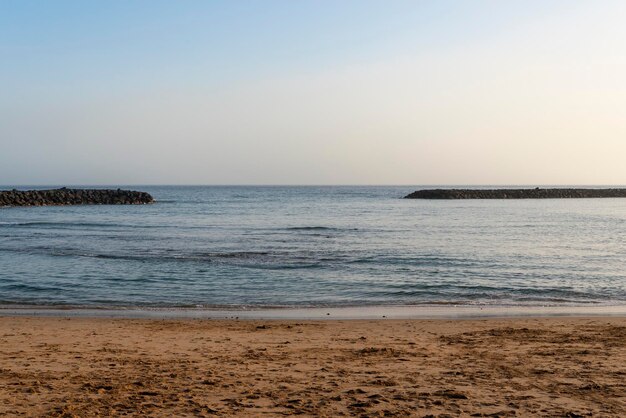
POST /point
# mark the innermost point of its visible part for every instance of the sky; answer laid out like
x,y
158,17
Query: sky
x,y
519,92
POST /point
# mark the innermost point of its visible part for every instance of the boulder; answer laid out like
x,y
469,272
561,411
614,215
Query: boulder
x,y
65,196
536,193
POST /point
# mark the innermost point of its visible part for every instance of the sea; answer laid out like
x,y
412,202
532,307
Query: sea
x,y
246,247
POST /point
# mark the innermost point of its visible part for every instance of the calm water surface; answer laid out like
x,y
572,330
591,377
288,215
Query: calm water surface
x,y
314,246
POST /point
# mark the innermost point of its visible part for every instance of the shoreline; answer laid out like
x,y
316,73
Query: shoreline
x,y
321,313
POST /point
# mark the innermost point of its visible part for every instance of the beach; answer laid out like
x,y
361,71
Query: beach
x,y
313,208
539,366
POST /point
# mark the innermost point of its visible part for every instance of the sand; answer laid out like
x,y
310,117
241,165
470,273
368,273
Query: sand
x,y
88,367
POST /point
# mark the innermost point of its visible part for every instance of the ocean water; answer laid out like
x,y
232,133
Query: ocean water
x,y
246,247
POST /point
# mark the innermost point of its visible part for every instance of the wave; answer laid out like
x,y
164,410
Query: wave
x,y
26,287
75,225
310,228
417,261
319,228
237,254
155,256
256,260
69,224
63,224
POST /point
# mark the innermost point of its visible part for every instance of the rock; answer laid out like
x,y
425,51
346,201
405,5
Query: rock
x,y
65,196
535,193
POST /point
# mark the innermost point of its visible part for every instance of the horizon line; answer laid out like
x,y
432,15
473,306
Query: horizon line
x,y
313,185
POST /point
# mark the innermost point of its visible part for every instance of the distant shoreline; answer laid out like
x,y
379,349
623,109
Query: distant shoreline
x,y
536,193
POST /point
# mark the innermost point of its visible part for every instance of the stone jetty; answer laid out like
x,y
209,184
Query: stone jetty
x,y
65,196
536,193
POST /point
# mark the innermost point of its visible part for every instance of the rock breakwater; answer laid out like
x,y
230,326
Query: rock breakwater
x,y
65,196
536,193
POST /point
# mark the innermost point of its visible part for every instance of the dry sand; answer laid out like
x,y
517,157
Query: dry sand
x,y
496,367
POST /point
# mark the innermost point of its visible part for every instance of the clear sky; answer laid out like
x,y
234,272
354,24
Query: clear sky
x,y
313,92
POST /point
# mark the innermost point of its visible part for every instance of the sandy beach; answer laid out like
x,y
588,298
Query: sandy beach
x,y
84,367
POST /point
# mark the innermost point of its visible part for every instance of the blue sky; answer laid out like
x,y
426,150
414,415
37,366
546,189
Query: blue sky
x,y
311,92
126,44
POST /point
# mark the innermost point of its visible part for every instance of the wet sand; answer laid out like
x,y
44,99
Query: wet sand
x,y
86,367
